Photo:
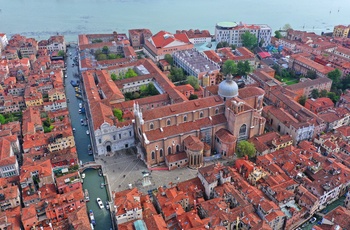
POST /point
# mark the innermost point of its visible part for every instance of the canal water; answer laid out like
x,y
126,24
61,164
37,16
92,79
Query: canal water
x,y
92,181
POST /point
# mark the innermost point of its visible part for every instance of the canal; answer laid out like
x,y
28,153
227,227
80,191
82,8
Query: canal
x,y
92,181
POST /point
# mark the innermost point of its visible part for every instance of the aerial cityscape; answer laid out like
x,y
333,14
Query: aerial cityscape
x,y
239,126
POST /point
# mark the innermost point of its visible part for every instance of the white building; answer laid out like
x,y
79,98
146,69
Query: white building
x,y
3,41
232,32
56,43
8,162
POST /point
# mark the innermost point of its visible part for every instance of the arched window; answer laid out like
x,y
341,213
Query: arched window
x,y
169,150
153,156
177,148
216,111
161,152
201,114
151,126
243,130
185,118
168,122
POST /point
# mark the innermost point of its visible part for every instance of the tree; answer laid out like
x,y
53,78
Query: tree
x,y
177,74
193,81
333,97
169,59
233,47
287,27
229,67
245,148
193,97
315,94
61,53
243,68
130,73
311,74
2,119
249,40
112,56
105,50
335,77
323,93
118,114
222,45
302,100
114,76
278,34
101,57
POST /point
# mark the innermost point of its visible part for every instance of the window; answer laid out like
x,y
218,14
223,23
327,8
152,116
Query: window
x,y
243,130
99,141
161,152
168,122
151,126
185,118
201,114
177,148
169,150
216,111
114,137
153,156
120,136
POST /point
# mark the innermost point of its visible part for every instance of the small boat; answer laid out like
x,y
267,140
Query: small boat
x,y
82,121
90,152
82,110
83,175
73,129
92,217
65,76
107,205
87,132
102,185
100,172
80,105
100,203
79,110
67,100
89,147
73,83
86,194
78,95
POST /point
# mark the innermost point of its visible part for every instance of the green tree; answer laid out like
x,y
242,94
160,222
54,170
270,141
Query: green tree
x,y
278,34
345,82
302,100
333,97
245,148
2,119
105,50
233,46
243,68
222,45
193,97
114,76
249,40
177,74
61,53
287,26
130,73
315,94
169,59
311,74
101,57
193,81
118,113
323,93
152,90
335,77
229,67
112,56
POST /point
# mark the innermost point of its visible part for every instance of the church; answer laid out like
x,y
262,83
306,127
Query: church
x,y
183,134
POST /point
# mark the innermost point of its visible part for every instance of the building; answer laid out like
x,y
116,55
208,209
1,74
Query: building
x,y
196,36
56,43
138,37
319,104
162,43
8,161
195,63
231,32
162,131
270,142
302,65
3,41
306,85
127,205
341,31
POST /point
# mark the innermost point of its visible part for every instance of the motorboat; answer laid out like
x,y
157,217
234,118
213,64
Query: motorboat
x,y
100,172
107,205
73,83
82,121
80,105
92,217
87,132
73,129
86,195
83,175
100,203
65,76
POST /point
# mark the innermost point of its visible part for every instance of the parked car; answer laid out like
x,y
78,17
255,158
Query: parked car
x,y
313,220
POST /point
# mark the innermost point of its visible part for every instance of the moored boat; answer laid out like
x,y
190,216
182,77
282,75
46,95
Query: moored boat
x,y
86,195
92,217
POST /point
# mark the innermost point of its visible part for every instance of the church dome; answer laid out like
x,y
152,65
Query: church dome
x,y
228,88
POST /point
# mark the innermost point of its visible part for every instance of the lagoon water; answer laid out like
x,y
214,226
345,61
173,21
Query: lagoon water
x,y
42,18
